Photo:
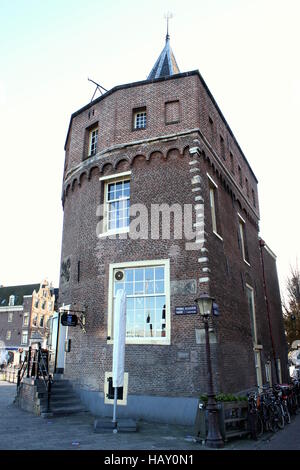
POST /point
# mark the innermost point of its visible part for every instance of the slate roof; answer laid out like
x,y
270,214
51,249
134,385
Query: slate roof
x,y
166,64
18,292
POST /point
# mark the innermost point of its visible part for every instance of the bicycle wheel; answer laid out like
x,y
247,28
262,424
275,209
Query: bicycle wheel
x,y
287,416
273,419
280,416
259,426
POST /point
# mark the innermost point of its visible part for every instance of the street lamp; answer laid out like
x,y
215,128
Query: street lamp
x,y
214,438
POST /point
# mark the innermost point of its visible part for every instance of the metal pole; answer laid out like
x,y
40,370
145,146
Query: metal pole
x,y
115,408
28,362
214,438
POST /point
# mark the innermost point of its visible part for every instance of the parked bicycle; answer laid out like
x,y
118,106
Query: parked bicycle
x,y
254,417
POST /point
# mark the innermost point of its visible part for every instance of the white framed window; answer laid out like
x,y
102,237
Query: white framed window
x,y
268,369
26,319
107,399
213,206
34,320
251,307
11,301
147,287
93,139
140,119
116,203
10,317
278,364
24,337
8,335
243,239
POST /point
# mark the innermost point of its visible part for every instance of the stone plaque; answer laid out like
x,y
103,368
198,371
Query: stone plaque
x,y
200,336
184,287
183,356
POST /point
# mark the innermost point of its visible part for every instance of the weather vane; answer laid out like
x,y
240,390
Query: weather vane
x,y
98,88
168,16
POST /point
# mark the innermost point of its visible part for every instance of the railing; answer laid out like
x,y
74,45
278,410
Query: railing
x,y
34,365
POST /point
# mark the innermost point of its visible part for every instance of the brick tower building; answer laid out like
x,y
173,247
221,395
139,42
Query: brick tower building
x,y
164,141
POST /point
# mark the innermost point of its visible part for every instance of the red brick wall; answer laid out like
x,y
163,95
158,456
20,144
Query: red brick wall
x,y
161,174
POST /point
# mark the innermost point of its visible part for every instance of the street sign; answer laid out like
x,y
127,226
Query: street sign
x,y
215,309
68,319
188,310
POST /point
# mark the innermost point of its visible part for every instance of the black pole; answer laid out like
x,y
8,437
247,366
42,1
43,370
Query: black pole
x,y
214,438
28,362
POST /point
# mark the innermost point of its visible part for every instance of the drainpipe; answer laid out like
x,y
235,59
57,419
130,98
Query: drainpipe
x,y
261,245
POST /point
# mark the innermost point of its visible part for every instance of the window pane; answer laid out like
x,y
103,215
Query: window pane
x,y
149,287
118,286
159,287
159,273
126,189
149,274
139,274
128,275
129,288
139,303
150,303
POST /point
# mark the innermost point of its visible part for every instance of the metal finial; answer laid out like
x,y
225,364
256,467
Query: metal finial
x,y
168,16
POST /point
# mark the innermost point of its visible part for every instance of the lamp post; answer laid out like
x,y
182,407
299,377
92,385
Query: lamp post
x,y
214,438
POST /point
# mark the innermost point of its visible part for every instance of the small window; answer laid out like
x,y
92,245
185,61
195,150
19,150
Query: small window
x,y
231,163
10,317
240,176
50,305
11,300
93,140
109,390
213,199
36,304
222,147
247,186
26,319
278,364
243,239
43,304
211,127
24,337
117,205
139,118
8,335
42,321
253,198
34,321
268,369
251,307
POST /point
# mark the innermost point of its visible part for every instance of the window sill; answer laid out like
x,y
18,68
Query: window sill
x,y
139,129
217,235
163,342
113,232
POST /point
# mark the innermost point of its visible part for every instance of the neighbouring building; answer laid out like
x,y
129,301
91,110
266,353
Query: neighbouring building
x,y
164,141
24,317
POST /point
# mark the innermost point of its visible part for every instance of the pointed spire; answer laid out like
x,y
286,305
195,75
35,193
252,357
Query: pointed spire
x,y
166,64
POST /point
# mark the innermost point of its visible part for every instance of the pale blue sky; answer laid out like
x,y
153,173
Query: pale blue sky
x,y
246,50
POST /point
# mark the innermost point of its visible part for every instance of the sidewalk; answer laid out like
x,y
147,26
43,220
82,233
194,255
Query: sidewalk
x,y
20,430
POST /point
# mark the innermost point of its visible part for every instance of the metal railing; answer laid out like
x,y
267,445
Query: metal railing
x,y
34,366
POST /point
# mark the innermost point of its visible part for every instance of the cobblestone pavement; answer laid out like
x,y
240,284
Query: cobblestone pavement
x,y
20,430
